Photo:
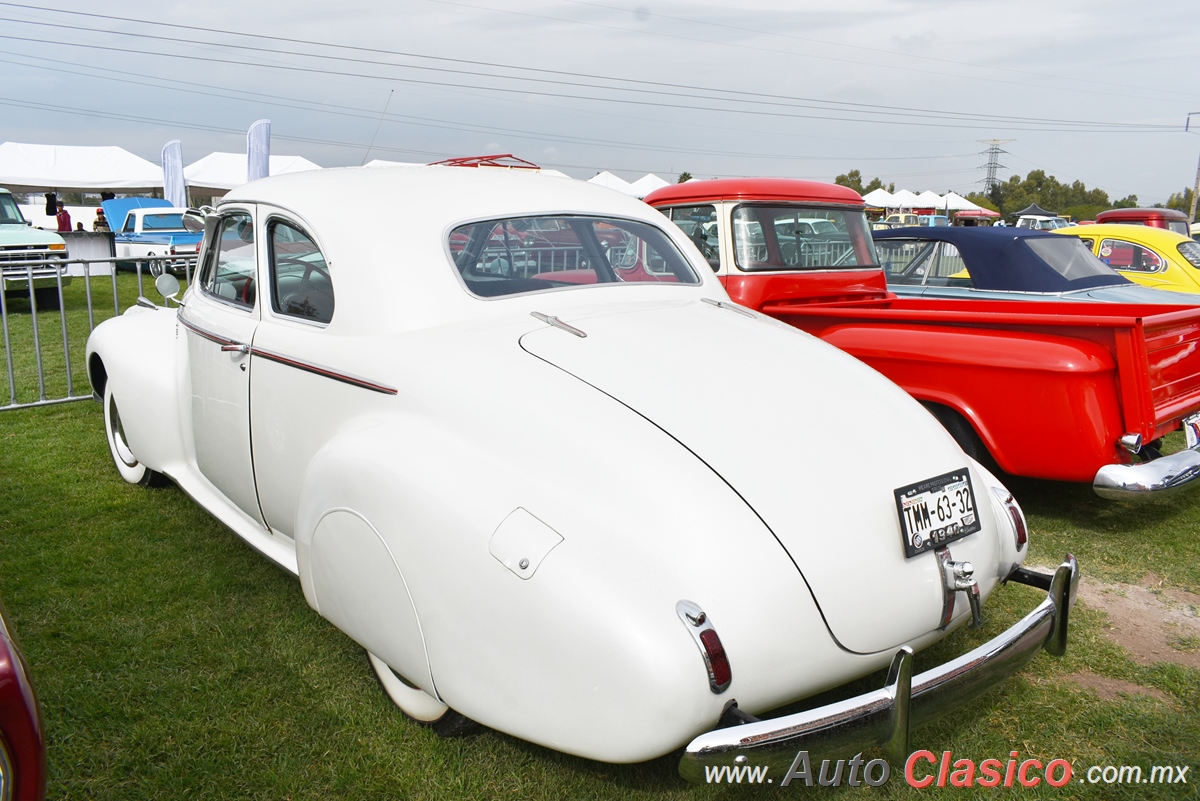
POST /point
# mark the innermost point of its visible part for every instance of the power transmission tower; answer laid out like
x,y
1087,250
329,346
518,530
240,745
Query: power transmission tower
x,y
993,153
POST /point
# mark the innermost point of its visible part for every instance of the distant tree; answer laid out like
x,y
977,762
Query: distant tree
x,y
1127,202
852,179
1181,200
871,187
684,177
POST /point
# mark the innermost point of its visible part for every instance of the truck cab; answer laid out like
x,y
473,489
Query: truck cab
x,y
1169,219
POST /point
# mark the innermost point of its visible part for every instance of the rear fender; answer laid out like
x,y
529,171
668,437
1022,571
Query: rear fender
x,y
1045,406
590,638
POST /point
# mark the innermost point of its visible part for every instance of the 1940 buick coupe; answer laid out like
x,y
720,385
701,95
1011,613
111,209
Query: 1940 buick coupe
x,y
561,485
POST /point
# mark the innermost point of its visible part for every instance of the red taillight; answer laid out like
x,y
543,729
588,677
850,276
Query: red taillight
x,y
1015,515
718,663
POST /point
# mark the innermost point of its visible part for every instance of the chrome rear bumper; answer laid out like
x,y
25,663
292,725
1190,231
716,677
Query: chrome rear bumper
x,y
1159,476
883,717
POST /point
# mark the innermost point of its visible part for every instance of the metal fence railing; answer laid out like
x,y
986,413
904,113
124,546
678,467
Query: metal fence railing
x,y
46,320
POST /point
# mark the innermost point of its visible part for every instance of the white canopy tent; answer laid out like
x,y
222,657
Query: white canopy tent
x,y
607,179
647,184
220,172
956,202
903,200
879,198
72,168
929,200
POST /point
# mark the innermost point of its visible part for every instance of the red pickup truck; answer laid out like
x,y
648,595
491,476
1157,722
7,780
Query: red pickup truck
x,y
1066,391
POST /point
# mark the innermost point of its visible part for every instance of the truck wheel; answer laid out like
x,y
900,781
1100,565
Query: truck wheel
x,y
47,298
419,706
964,434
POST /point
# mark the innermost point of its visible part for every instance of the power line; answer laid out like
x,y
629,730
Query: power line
x,y
658,88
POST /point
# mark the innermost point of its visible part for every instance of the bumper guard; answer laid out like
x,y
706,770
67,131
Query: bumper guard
x,y
1156,477
883,717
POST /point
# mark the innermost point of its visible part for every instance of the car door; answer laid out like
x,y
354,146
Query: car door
x,y
221,318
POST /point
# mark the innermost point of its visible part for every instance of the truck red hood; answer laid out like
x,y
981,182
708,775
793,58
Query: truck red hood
x,y
812,439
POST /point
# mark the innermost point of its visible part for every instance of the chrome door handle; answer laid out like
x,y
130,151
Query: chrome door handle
x,y
235,347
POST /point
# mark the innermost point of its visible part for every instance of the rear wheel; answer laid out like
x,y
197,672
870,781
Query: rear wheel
x,y
418,705
964,434
126,463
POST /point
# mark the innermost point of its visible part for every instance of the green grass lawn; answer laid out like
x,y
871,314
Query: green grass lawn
x,y
106,300
172,661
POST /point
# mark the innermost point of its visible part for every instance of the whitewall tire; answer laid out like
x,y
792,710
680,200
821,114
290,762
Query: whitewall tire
x,y
126,463
419,705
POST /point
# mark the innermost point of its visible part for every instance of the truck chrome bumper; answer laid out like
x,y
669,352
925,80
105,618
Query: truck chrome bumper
x,y
1159,476
883,717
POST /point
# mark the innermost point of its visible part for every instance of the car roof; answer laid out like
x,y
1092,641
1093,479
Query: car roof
x,y
1144,233
788,190
1115,215
999,258
385,233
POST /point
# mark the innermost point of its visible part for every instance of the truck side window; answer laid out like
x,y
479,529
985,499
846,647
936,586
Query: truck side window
x,y
700,224
300,284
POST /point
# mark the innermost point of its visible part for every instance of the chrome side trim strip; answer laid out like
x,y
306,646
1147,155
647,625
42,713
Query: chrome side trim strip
x,y
882,717
316,369
279,358
210,336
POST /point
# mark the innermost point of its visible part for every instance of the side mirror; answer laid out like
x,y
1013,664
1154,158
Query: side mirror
x,y
193,219
167,286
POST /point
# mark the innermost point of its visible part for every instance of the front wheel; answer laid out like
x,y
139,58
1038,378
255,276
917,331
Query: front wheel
x,y
126,463
418,705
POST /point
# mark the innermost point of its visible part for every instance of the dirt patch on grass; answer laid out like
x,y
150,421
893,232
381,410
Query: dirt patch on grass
x,y
1155,624
1111,689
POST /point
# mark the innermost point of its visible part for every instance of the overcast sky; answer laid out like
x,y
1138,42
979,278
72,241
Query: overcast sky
x,y
908,90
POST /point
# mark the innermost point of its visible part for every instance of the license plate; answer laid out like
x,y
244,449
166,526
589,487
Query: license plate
x,y
1191,429
936,511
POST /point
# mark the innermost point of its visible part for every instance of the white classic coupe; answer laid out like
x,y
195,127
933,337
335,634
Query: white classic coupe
x,y
514,439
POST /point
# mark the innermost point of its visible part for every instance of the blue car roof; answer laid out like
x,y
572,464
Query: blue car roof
x,y
1000,259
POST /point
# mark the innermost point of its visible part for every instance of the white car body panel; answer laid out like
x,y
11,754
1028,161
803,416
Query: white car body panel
x,y
679,451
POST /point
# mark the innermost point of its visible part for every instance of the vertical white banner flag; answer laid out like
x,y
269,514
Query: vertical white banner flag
x,y
258,150
174,188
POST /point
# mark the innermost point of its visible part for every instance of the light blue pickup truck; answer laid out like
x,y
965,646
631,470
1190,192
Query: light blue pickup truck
x,y
148,229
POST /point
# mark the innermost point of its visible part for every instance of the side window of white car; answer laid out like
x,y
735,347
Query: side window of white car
x,y
231,278
300,284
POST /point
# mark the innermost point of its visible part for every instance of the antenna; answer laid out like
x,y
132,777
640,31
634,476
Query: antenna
x,y
387,103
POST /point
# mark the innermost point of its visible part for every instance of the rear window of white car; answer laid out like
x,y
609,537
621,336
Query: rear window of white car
x,y
516,255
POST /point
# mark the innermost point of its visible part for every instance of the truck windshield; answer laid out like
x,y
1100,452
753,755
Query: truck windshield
x,y
9,213
792,237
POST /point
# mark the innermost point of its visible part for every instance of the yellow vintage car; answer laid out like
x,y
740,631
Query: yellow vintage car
x,y
1153,257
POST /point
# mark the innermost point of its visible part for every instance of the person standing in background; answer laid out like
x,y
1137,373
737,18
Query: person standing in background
x,y
64,218
101,222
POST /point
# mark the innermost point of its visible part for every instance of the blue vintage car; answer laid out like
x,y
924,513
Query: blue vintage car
x,y
147,228
1004,263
